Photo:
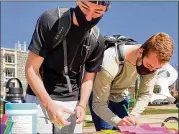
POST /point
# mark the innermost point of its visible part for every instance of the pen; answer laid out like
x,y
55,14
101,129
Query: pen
x,y
125,109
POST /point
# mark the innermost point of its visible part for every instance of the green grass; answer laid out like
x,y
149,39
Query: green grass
x,y
88,111
150,111
159,111
88,124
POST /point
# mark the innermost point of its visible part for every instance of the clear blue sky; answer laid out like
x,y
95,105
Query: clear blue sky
x,y
139,20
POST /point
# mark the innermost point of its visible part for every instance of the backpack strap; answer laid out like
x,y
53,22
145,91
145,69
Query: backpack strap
x,y
91,44
120,54
63,29
64,24
119,41
65,72
122,41
95,32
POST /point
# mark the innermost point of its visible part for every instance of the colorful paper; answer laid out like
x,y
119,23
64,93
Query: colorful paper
x,y
3,128
147,129
6,124
4,118
108,131
9,124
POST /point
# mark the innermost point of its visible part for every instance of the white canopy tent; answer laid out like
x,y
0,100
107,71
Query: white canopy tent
x,y
167,75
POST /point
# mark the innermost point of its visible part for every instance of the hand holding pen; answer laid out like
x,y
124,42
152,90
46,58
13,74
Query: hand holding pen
x,y
128,120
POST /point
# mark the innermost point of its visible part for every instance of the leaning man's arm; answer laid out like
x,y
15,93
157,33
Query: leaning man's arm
x,y
144,94
101,92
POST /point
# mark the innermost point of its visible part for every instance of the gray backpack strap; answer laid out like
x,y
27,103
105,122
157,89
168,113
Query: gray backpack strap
x,y
120,54
122,41
63,28
119,41
65,72
64,24
92,40
90,46
95,32
120,48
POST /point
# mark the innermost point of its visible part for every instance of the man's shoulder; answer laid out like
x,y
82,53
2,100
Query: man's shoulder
x,y
50,16
100,39
110,62
54,11
97,36
136,46
50,13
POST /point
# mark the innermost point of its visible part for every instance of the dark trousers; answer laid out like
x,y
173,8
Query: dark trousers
x,y
116,108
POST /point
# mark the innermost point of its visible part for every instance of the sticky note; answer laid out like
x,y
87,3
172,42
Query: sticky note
x,y
9,124
108,131
4,119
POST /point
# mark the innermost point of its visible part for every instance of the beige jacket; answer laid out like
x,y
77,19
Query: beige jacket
x,y
108,85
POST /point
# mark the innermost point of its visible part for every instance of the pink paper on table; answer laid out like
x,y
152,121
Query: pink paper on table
x,y
163,130
137,130
144,129
148,127
126,128
131,129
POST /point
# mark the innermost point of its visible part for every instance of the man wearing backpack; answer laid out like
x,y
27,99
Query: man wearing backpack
x,y
62,43
123,62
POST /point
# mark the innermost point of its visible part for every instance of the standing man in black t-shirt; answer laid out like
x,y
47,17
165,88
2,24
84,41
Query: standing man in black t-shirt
x,y
50,88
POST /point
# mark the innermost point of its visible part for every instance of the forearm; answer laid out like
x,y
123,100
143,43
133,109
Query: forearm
x,y
141,103
86,87
85,92
101,92
102,110
144,93
37,86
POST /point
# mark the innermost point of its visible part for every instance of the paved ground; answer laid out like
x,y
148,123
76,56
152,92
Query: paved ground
x,y
154,120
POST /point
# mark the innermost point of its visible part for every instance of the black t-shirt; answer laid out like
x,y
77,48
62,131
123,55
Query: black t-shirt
x,y
53,64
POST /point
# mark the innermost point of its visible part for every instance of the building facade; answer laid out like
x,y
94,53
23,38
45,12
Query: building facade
x,y
12,66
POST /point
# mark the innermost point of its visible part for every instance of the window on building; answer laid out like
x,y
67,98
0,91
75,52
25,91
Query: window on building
x,y
10,72
10,58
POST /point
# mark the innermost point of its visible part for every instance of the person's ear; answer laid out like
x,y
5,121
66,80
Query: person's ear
x,y
140,52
